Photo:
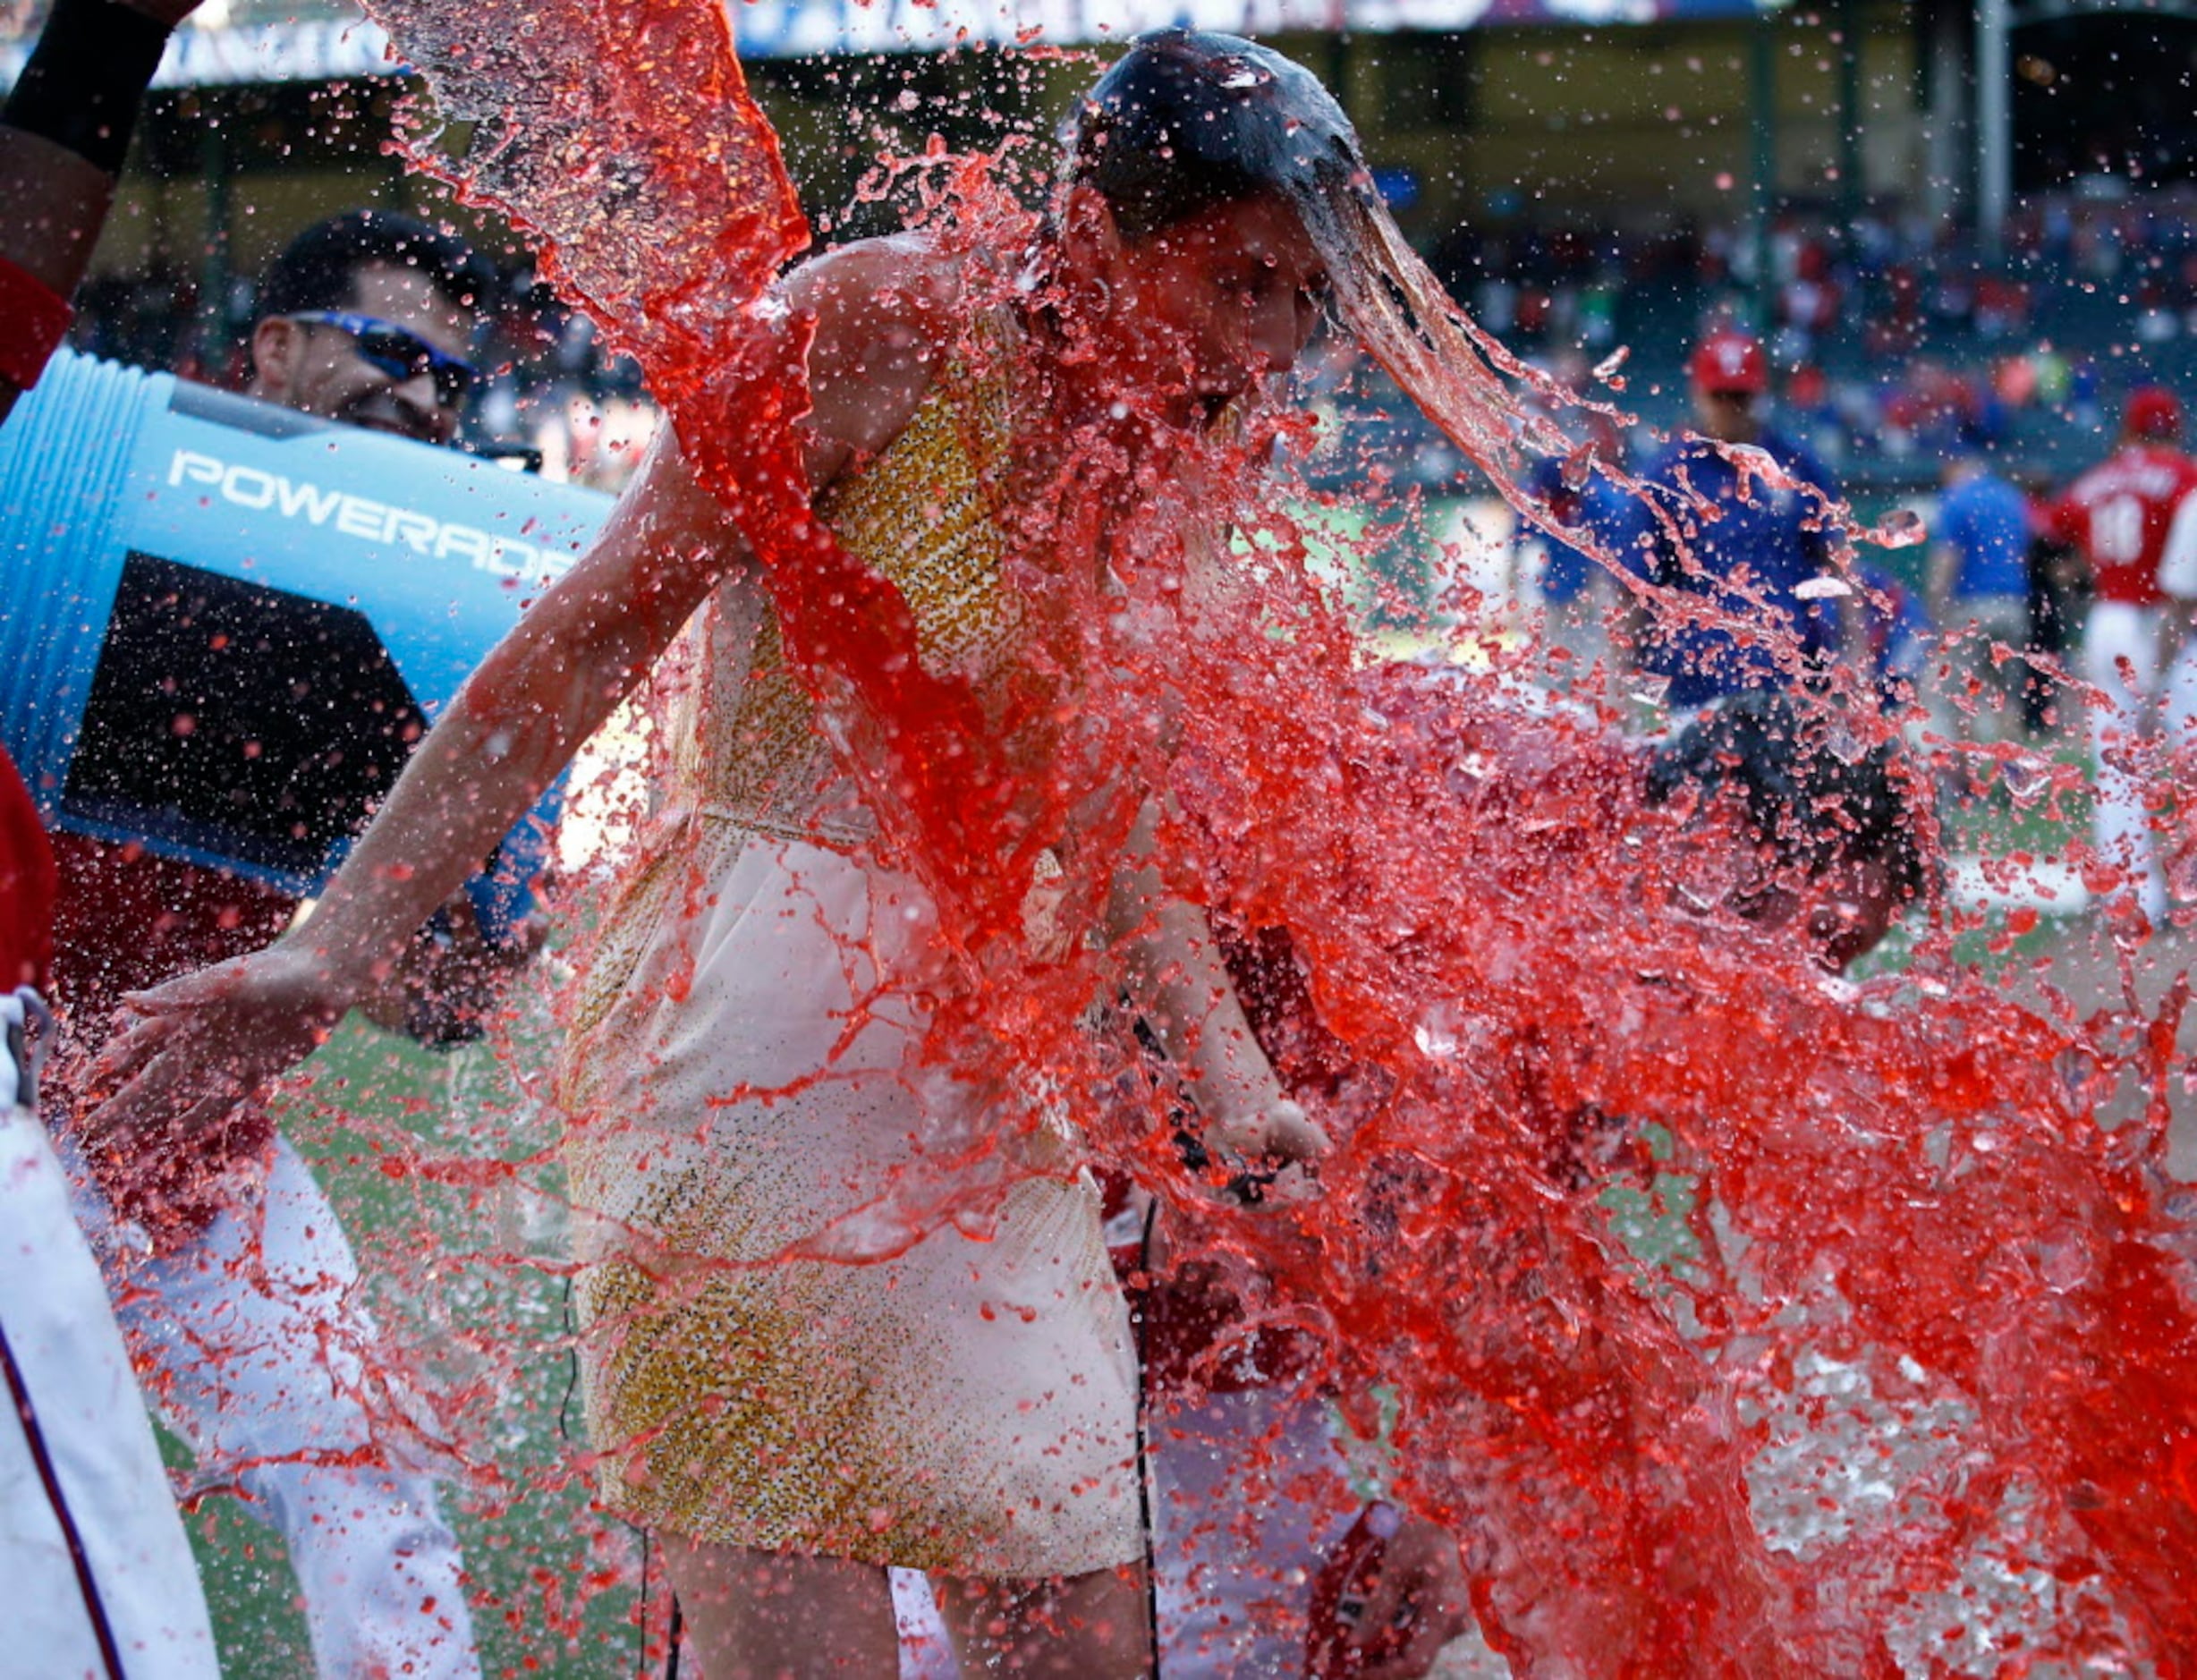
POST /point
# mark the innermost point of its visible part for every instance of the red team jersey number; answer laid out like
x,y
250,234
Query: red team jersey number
x,y
2118,515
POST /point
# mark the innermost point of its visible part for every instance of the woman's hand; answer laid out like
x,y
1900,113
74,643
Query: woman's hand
x,y
158,1101
1278,1144
1278,1134
1409,1606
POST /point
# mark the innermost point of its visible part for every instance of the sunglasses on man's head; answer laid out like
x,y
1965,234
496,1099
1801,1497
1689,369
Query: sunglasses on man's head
x,y
399,351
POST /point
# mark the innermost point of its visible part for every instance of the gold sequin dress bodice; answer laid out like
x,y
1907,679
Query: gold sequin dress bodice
x,y
746,1076
922,515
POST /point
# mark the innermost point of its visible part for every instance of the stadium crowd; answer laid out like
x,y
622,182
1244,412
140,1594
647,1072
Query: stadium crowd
x,y
1896,341
1897,336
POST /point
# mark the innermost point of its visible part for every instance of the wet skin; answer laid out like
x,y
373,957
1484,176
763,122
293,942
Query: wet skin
x,y
1729,417
1202,310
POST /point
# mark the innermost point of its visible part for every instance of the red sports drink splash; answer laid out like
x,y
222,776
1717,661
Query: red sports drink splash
x,y
1497,946
1337,1644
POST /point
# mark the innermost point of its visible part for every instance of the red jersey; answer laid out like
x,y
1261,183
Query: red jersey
x,y
126,918
2118,515
26,886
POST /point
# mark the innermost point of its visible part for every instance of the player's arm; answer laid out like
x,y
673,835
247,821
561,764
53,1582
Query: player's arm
x,y
63,132
2178,582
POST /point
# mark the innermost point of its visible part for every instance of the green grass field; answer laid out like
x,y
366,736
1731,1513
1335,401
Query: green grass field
x,y
459,1277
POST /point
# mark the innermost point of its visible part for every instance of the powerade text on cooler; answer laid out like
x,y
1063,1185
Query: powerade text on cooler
x,y
226,623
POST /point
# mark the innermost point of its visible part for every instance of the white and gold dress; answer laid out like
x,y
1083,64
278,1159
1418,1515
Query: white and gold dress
x,y
740,1079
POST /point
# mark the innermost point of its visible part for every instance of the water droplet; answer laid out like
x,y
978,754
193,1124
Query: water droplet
x,y
1903,527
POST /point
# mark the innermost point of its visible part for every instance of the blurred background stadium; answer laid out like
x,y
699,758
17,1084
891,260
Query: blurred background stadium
x,y
1957,223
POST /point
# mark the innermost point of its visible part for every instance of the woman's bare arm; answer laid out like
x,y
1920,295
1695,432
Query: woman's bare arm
x,y
520,717
202,1040
1181,987
581,649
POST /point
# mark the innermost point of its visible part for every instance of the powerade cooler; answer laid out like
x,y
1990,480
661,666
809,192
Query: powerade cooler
x,y
225,624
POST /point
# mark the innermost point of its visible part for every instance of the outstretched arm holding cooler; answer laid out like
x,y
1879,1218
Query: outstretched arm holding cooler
x,y
64,133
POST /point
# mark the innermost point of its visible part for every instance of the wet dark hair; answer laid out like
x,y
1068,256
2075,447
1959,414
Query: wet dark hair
x,y
1813,805
1188,119
316,269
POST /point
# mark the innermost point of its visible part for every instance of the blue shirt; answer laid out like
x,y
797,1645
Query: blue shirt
x,y
1771,542
1895,625
1596,507
1986,523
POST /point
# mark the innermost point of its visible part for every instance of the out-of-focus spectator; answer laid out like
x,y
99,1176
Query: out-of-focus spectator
x,y
1895,327
1768,541
1808,301
1979,599
1811,411
2002,308
2118,515
1935,410
2058,590
2177,663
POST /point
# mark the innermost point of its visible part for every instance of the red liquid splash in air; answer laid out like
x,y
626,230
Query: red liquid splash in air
x,y
655,187
1495,961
